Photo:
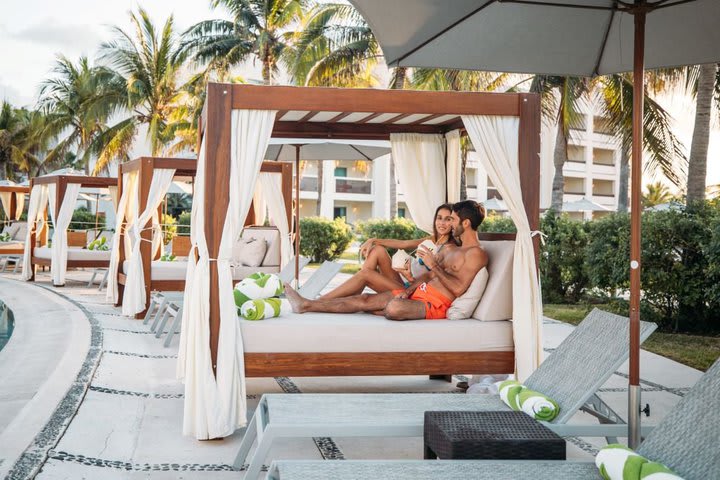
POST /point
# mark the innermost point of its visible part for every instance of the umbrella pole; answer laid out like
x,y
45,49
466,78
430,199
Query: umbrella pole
x,y
635,209
297,216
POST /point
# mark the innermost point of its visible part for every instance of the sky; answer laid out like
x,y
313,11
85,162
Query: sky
x,y
34,32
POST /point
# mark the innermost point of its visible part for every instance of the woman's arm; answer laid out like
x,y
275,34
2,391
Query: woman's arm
x,y
390,243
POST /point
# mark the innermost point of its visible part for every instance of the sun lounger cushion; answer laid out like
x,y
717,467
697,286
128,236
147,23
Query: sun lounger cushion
x,y
11,246
362,332
496,301
464,305
618,462
74,253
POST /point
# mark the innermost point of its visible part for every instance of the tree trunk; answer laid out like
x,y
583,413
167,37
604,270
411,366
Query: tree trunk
x,y
399,78
559,159
697,165
623,183
318,205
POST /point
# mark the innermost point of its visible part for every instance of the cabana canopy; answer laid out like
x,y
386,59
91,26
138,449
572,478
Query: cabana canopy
x,y
60,193
235,130
12,199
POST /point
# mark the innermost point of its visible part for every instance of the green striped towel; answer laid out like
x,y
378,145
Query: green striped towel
x,y
257,286
263,308
5,237
99,244
618,462
520,398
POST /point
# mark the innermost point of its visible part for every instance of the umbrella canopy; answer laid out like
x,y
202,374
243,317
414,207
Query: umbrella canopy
x,y
560,37
541,36
495,204
583,205
283,149
663,207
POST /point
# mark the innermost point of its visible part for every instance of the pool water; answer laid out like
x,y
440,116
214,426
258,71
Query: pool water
x,y
7,322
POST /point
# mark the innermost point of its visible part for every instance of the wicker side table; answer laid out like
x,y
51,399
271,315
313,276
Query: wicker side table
x,y
489,435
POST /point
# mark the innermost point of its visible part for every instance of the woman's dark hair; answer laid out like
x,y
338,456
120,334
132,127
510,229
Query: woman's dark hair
x,y
436,236
470,210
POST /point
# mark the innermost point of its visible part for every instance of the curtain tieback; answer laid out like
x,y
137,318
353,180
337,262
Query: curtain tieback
x,y
542,235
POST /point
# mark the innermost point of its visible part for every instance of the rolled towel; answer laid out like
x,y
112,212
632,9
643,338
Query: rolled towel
x,y
257,286
98,244
263,308
618,462
520,398
5,237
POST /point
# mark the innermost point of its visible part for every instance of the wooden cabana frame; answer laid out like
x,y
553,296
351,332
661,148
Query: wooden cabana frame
x,y
61,182
15,190
145,167
311,112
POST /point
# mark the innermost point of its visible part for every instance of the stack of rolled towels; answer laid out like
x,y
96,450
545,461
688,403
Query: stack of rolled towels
x,y
618,462
520,398
256,296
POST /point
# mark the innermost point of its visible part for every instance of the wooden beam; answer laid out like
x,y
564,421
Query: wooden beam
x,y
307,116
336,118
366,131
321,99
120,225
13,206
145,175
529,161
217,192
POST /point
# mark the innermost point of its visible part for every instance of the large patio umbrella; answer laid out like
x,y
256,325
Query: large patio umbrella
x,y
560,37
495,204
294,149
583,205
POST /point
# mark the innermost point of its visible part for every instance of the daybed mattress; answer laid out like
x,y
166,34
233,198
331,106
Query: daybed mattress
x,y
176,270
359,332
11,246
75,253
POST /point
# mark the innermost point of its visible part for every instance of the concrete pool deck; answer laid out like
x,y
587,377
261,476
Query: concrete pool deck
x,y
127,419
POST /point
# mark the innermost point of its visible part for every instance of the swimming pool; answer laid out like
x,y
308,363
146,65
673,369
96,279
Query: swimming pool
x,y
7,323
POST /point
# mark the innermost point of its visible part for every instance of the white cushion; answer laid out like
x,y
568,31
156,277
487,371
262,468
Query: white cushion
x,y
74,253
21,231
176,270
250,251
12,230
272,236
11,246
361,332
464,305
496,302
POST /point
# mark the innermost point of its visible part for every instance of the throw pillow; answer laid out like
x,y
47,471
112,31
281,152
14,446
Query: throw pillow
x,y
251,251
464,305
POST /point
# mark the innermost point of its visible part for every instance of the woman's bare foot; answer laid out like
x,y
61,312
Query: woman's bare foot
x,y
297,302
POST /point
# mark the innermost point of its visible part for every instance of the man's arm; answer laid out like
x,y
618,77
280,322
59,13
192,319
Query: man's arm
x,y
458,283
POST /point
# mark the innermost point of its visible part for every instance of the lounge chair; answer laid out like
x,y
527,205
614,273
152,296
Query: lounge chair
x,y
580,365
686,441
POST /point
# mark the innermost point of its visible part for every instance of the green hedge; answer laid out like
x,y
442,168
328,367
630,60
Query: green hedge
x,y
563,270
83,219
397,228
322,239
183,224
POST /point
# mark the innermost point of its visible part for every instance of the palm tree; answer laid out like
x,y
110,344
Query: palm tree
x,y
79,99
24,138
705,82
656,194
261,29
149,62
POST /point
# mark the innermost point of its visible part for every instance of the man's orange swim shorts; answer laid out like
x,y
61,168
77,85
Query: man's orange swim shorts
x,y
436,304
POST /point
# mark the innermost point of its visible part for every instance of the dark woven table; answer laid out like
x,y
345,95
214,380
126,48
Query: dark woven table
x,y
490,436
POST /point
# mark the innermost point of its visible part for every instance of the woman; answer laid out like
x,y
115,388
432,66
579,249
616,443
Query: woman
x,y
377,271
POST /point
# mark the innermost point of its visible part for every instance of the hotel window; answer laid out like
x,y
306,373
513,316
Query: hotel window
x,y
340,212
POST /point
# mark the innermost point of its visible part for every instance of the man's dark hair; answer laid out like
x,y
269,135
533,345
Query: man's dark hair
x,y
470,210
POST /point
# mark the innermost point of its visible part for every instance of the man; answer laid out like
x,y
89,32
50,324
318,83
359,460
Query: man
x,y
450,275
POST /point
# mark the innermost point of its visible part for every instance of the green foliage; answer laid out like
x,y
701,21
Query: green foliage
x,y
497,224
397,228
169,228
562,259
322,239
183,224
83,219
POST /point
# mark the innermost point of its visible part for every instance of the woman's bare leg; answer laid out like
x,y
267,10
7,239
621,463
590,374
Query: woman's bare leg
x,y
378,259
357,283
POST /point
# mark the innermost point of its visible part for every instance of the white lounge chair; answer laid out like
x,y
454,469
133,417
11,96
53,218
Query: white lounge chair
x,y
686,441
580,365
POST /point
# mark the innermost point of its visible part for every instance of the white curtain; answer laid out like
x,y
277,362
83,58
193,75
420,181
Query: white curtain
x,y
454,166
128,197
259,204
420,169
59,248
134,297
215,406
113,195
19,204
272,186
496,140
38,204
5,198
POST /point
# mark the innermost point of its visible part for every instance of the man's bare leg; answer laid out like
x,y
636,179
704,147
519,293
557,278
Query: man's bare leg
x,y
366,302
357,283
404,309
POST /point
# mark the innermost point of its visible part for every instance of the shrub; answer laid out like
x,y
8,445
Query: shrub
x,y
169,228
322,239
563,270
83,219
497,224
183,224
397,228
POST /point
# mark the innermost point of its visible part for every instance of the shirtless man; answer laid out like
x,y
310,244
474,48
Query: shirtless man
x,y
450,275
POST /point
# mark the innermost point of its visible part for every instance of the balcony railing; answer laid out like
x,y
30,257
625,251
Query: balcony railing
x,y
359,186
309,184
